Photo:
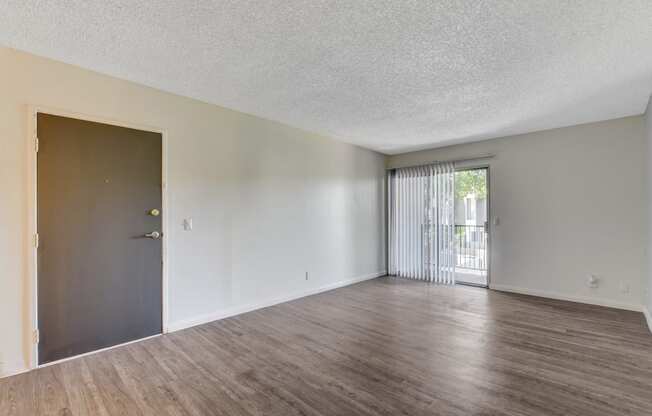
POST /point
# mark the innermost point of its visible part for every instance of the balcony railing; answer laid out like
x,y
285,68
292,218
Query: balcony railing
x,y
471,247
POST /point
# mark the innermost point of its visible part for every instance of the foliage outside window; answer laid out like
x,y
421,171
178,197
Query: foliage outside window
x,y
470,182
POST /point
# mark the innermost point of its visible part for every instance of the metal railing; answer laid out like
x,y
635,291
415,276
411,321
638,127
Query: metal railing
x,y
471,241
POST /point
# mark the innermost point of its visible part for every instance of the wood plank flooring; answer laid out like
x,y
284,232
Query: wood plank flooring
x,y
382,347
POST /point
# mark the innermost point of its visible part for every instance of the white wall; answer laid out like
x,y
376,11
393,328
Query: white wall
x,y
648,136
269,202
571,202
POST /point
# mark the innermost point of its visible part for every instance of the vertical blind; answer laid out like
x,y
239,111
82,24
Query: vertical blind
x,y
422,223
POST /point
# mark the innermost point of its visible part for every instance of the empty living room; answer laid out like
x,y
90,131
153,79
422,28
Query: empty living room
x,y
322,208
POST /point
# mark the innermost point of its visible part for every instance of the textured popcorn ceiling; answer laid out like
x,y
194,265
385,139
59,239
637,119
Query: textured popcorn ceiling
x,y
387,75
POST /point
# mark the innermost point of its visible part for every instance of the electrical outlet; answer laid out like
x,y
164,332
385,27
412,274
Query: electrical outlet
x,y
624,287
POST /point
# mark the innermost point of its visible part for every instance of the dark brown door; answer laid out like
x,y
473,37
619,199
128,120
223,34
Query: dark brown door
x,y
99,277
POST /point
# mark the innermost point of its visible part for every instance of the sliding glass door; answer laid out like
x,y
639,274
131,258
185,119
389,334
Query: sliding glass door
x,y
438,224
472,226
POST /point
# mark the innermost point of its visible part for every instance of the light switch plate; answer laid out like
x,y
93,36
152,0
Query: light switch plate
x,y
187,224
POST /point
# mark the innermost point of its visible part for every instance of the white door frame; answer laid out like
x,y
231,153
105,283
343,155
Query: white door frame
x,y
32,226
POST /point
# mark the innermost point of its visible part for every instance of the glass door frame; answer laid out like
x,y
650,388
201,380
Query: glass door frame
x,y
488,228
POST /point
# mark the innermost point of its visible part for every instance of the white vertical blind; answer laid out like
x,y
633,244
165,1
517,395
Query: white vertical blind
x,y
422,223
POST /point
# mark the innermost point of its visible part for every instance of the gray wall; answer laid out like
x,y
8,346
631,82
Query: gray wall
x,y
571,202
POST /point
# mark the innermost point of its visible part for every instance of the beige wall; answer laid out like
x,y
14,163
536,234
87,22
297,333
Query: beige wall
x,y
570,202
269,202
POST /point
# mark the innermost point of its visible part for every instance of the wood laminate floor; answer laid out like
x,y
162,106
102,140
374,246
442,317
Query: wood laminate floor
x,y
382,347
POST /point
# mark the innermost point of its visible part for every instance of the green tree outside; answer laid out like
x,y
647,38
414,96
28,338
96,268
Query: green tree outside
x,y
470,182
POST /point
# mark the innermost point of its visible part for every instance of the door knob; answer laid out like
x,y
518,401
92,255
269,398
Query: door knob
x,y
154,235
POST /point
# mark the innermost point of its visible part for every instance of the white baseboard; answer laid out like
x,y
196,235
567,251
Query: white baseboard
x,y
12,370
579,299
648,317
237,310
7,371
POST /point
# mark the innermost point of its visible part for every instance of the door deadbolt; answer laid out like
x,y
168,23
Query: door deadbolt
x,y
154,212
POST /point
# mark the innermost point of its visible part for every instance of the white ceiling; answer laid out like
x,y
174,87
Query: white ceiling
x,y
388,75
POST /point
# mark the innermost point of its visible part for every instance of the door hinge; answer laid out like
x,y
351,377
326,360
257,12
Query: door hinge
x,y
36,145
37,336
36,240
